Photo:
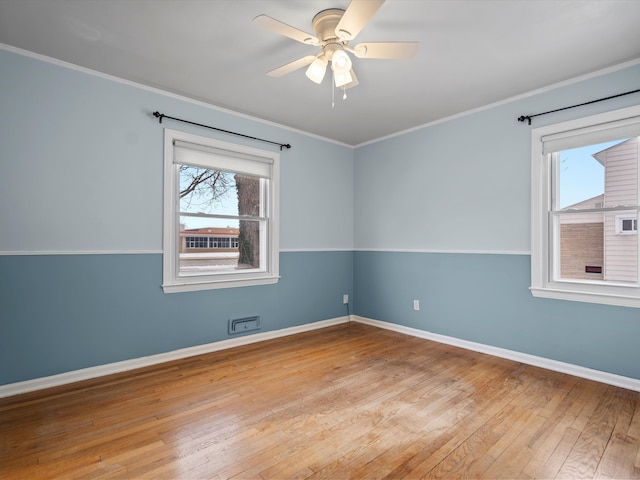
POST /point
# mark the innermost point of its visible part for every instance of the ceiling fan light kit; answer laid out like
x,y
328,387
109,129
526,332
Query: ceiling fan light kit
x,y
340,61
341,66
342,79
317,69
334,29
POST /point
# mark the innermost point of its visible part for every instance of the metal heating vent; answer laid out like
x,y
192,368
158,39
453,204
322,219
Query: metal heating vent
x,y
247,324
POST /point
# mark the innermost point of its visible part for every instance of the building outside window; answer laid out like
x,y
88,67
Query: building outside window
x,y
209,239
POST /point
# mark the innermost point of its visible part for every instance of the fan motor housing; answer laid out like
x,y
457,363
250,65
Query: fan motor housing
x,y
325,23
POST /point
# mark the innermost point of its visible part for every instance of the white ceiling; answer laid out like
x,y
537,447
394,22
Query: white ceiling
x,y
472,53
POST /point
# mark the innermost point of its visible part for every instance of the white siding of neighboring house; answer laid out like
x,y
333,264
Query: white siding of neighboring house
x,y
621,188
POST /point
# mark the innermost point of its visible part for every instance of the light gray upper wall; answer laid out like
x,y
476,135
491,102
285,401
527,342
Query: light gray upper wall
x,y
82,161
464,184
317,196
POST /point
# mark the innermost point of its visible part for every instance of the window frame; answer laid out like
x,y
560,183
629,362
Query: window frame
x,y
543,255
172,281
620,230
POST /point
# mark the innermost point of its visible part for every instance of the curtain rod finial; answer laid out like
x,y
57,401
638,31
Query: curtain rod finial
x,y
522,118
158,115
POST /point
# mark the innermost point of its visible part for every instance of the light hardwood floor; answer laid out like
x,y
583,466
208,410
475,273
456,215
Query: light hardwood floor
x,y
350,401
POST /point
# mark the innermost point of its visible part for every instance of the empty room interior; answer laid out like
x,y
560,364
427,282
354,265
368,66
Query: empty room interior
x,y
277,239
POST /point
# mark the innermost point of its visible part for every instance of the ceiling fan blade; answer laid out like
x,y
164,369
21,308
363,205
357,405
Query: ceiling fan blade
x,y
291,66
385,49
281,28
356,17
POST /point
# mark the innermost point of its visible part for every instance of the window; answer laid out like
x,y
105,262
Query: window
x,y
220,214
209,242
584,197
627,225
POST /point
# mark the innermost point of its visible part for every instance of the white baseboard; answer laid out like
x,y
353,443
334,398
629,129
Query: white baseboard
x,y
555,365
117,367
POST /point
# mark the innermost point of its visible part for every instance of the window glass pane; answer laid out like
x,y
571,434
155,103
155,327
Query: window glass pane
x,y
249,195
209,250
601,244
596,176
207,191
581,179
249,246
211,240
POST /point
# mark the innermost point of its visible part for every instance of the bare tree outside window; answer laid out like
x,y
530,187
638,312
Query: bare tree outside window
x,y
202,184
248,204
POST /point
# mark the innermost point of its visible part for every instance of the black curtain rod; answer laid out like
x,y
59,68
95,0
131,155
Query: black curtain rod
x,y
160,116
522,118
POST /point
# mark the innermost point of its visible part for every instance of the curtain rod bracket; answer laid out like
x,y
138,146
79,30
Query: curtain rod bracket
x,y
160,116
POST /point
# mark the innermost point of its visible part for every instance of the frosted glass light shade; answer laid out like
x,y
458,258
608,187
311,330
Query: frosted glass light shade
x,y
342,78
316,70
340,62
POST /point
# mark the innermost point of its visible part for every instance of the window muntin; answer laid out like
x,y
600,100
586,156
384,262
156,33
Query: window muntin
x,y
220,214
577,250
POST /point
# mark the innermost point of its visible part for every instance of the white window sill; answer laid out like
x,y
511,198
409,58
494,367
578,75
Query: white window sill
x,y
589,297
212,285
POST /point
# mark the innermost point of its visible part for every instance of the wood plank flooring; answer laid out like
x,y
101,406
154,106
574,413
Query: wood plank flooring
x,y
350,401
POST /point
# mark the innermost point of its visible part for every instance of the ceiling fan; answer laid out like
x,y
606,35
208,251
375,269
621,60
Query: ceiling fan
x,y
335,28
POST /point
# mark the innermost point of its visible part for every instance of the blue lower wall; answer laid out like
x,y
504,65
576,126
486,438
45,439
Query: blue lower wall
x,y
486,299
61,313
66,312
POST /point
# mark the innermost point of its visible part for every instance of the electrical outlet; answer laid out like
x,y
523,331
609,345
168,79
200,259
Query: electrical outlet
x,y
416,304
345,298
